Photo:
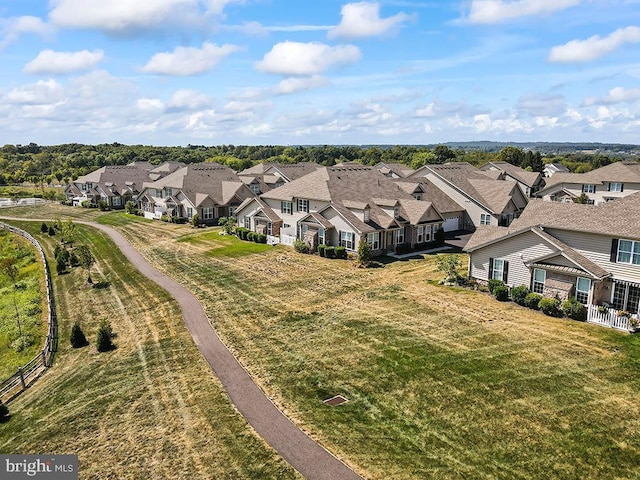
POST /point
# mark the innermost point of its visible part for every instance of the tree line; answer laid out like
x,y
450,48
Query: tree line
x,y
61,163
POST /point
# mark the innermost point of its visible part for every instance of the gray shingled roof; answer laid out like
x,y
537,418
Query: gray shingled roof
x,y
440,200
623,171
527,178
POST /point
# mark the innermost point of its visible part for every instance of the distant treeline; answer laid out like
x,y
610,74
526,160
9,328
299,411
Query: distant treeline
x,y
61,163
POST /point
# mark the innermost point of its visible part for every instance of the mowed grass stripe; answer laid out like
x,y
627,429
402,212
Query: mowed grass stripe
x,y
149,409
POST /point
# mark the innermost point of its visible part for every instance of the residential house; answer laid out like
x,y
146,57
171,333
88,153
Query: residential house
x,y
266,176
603,184
486,201
116,184
530,182
209,190
339,205
423,189
394,170
550,169
568,250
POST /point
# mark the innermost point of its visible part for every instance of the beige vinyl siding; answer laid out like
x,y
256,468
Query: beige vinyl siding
x,y
560,260
601,191
341,225
516,250
598,249
472,209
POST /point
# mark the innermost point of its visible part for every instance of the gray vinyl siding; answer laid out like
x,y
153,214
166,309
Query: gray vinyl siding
x,y
597,248
516,250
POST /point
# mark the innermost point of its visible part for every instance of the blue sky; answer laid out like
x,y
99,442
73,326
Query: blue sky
x,y
178,72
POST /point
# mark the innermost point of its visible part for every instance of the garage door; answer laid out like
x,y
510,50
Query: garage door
x,y
451,223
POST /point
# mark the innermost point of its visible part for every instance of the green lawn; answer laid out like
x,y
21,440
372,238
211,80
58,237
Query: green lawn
x,y
224,245
22,305
442,383
149,409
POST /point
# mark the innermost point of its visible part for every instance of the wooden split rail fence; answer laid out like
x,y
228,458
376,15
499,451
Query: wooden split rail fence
x,y
28,373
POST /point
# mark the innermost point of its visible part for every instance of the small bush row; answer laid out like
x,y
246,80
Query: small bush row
x,y
328,251
549,306
246,234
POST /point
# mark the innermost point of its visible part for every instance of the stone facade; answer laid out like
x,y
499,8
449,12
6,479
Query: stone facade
x,y
559,286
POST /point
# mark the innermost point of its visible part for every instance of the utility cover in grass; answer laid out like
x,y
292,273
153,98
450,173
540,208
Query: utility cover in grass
x,y
335,401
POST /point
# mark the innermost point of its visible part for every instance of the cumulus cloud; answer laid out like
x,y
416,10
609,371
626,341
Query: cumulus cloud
x,y
118,17
496,11
12,28
42,92
314,58
52,62
579,51
187,99
296,84
615,95
185,61
362,19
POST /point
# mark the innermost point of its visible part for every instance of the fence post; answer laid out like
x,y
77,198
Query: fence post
x,y
24,385
44,357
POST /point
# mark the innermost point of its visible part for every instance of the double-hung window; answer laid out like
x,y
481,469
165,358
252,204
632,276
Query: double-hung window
x,y
207,213
400,236
498,269
427,232
588,188
367,215
346,240
420,234
485,219
232,211
583,287
189,212
303,205
286,207
615,187
628,252
247,222
374,240
539,277
321,236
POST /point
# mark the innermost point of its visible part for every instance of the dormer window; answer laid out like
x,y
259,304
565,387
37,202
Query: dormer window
x,y
417,196
169,191
396,212
367,214
255,188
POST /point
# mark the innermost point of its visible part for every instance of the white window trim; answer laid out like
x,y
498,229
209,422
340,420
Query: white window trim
x,y
347,239
633,252
485,219
208,213
501,269
400,236
286,207
373,239
420,234
534,281
302,205
583,292
618,186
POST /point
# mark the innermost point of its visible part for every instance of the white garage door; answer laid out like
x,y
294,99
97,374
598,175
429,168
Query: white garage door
x,y
451,223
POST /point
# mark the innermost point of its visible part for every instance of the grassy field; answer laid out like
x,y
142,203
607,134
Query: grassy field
x,y
149,409
442,382
28,297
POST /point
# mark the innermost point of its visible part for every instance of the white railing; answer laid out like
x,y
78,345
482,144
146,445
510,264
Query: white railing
x,y
607,317
287,239
271,240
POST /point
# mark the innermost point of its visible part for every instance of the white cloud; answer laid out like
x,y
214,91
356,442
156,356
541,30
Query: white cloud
x,y
42,92
496,11
594,47
615,95
184,61
187,99
151,105
295,58
538,105
362,19
12,28
296,84
428,111
52,62
130,17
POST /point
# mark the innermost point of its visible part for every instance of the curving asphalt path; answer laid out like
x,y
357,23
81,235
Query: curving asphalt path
x,y
304,454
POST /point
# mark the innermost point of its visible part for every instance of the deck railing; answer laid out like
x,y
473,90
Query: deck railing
x,y
607,317
28,373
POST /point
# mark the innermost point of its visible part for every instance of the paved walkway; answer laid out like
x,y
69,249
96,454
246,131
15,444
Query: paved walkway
x,y
303,453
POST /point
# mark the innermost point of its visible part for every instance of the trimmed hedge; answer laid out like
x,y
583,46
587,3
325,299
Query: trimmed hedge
x,y
572,308
492,284
501,292
550,306
241,233
300,247
321,249
532,300
519,294
341,253
330,252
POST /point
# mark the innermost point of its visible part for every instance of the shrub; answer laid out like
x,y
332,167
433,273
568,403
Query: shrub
x,y
85,204
321,248
494,283
572,308
260,238
130,207
532,300
518,294
300,246
78,339
241,233
250,236
341,253
4,412
501,292
449,264
165,218
44,228
364,251
439,237
550,306
103,205
52,231
61,265
195,220
403,248
105,334
330,252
